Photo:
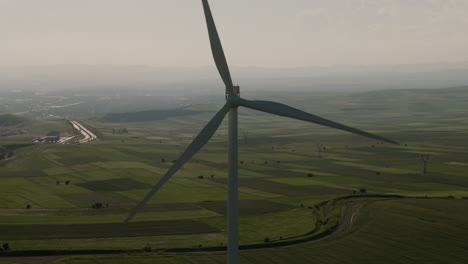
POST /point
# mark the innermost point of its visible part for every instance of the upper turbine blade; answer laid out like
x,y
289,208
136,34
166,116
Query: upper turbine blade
x,y
287,111
217,48
200,140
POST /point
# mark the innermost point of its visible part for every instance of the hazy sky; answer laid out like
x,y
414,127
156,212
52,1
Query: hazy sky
x,y
265,33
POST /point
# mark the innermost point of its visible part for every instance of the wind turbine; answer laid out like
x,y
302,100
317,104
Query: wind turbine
x,y
233,101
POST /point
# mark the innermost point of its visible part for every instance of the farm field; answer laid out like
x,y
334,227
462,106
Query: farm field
x,y
392,231
74,197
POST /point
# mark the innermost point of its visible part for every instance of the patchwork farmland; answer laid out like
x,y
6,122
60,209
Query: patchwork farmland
x,y
72,199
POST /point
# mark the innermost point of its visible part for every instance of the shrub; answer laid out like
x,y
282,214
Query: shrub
x,y
6,246
148,248
97,205
266,240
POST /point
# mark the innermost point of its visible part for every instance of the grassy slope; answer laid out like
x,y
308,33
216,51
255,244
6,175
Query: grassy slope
x,y
391,231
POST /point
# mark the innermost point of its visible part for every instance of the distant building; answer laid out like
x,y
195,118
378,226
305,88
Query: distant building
x,y
52,137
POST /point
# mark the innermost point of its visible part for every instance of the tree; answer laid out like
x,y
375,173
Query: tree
x,y
201,177
163,160
310,175
2,153
148,248
97,205
266,240
362,190
28,206
67,182
6,246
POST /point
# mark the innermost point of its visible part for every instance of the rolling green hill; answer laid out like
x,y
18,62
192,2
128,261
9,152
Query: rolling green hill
x,y
386,231
11,120
12,125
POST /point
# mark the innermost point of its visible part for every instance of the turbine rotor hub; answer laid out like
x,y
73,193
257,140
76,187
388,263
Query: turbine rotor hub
x,y
232,97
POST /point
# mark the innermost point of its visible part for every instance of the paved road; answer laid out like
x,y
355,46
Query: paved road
x,y
346,217
65,140
88,135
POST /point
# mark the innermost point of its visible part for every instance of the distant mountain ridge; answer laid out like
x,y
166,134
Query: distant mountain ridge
x,y
337,77
147,116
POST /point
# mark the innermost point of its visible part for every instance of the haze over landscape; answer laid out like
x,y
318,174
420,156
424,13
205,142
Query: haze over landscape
x,y
113,147
262,33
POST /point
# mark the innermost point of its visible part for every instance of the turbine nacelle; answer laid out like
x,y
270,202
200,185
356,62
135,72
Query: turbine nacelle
x,y
233,96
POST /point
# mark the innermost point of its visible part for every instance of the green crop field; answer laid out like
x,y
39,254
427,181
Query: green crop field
x,y
292,175
384,231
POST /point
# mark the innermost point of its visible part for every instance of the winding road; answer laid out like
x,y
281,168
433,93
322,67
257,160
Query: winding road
x,y
346,220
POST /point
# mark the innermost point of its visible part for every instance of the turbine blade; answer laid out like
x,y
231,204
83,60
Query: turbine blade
x,y
217,48
200,140
287,111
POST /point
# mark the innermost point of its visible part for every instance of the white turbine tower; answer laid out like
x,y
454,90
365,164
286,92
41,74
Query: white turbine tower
x,y
233,101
